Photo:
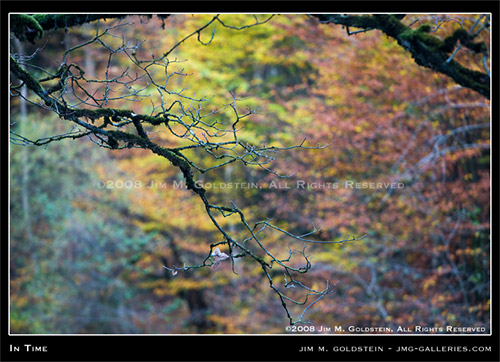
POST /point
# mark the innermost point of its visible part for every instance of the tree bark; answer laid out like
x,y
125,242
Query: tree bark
x,y
427,50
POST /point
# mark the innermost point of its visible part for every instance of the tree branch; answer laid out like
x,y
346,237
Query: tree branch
x,y
31,27
190,125
427,50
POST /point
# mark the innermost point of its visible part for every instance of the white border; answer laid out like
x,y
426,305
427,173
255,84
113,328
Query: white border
x,y
274,334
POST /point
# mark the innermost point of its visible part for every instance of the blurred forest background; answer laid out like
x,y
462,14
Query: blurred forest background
x,y
88,259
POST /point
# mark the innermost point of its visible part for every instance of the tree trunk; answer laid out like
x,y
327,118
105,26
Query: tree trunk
x,y
22,119
195,299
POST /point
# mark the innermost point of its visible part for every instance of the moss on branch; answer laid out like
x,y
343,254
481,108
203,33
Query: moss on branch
x,y
31,27
54,21
25,27
426,49
141,140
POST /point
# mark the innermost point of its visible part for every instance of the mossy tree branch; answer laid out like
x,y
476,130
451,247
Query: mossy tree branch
x,y
107,128
31,27
74,99
426,49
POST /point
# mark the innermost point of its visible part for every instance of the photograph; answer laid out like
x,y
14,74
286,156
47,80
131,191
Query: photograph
x,y
318,183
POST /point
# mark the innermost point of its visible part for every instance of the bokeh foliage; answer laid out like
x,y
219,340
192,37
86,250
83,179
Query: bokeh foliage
x,y
87,258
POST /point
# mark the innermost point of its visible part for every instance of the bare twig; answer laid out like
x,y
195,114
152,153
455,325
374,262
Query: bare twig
x,y
94,107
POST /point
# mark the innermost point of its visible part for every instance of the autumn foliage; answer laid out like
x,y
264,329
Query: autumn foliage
x,y
400,153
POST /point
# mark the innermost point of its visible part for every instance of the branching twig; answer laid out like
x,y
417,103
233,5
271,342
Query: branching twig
x,y
74,98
